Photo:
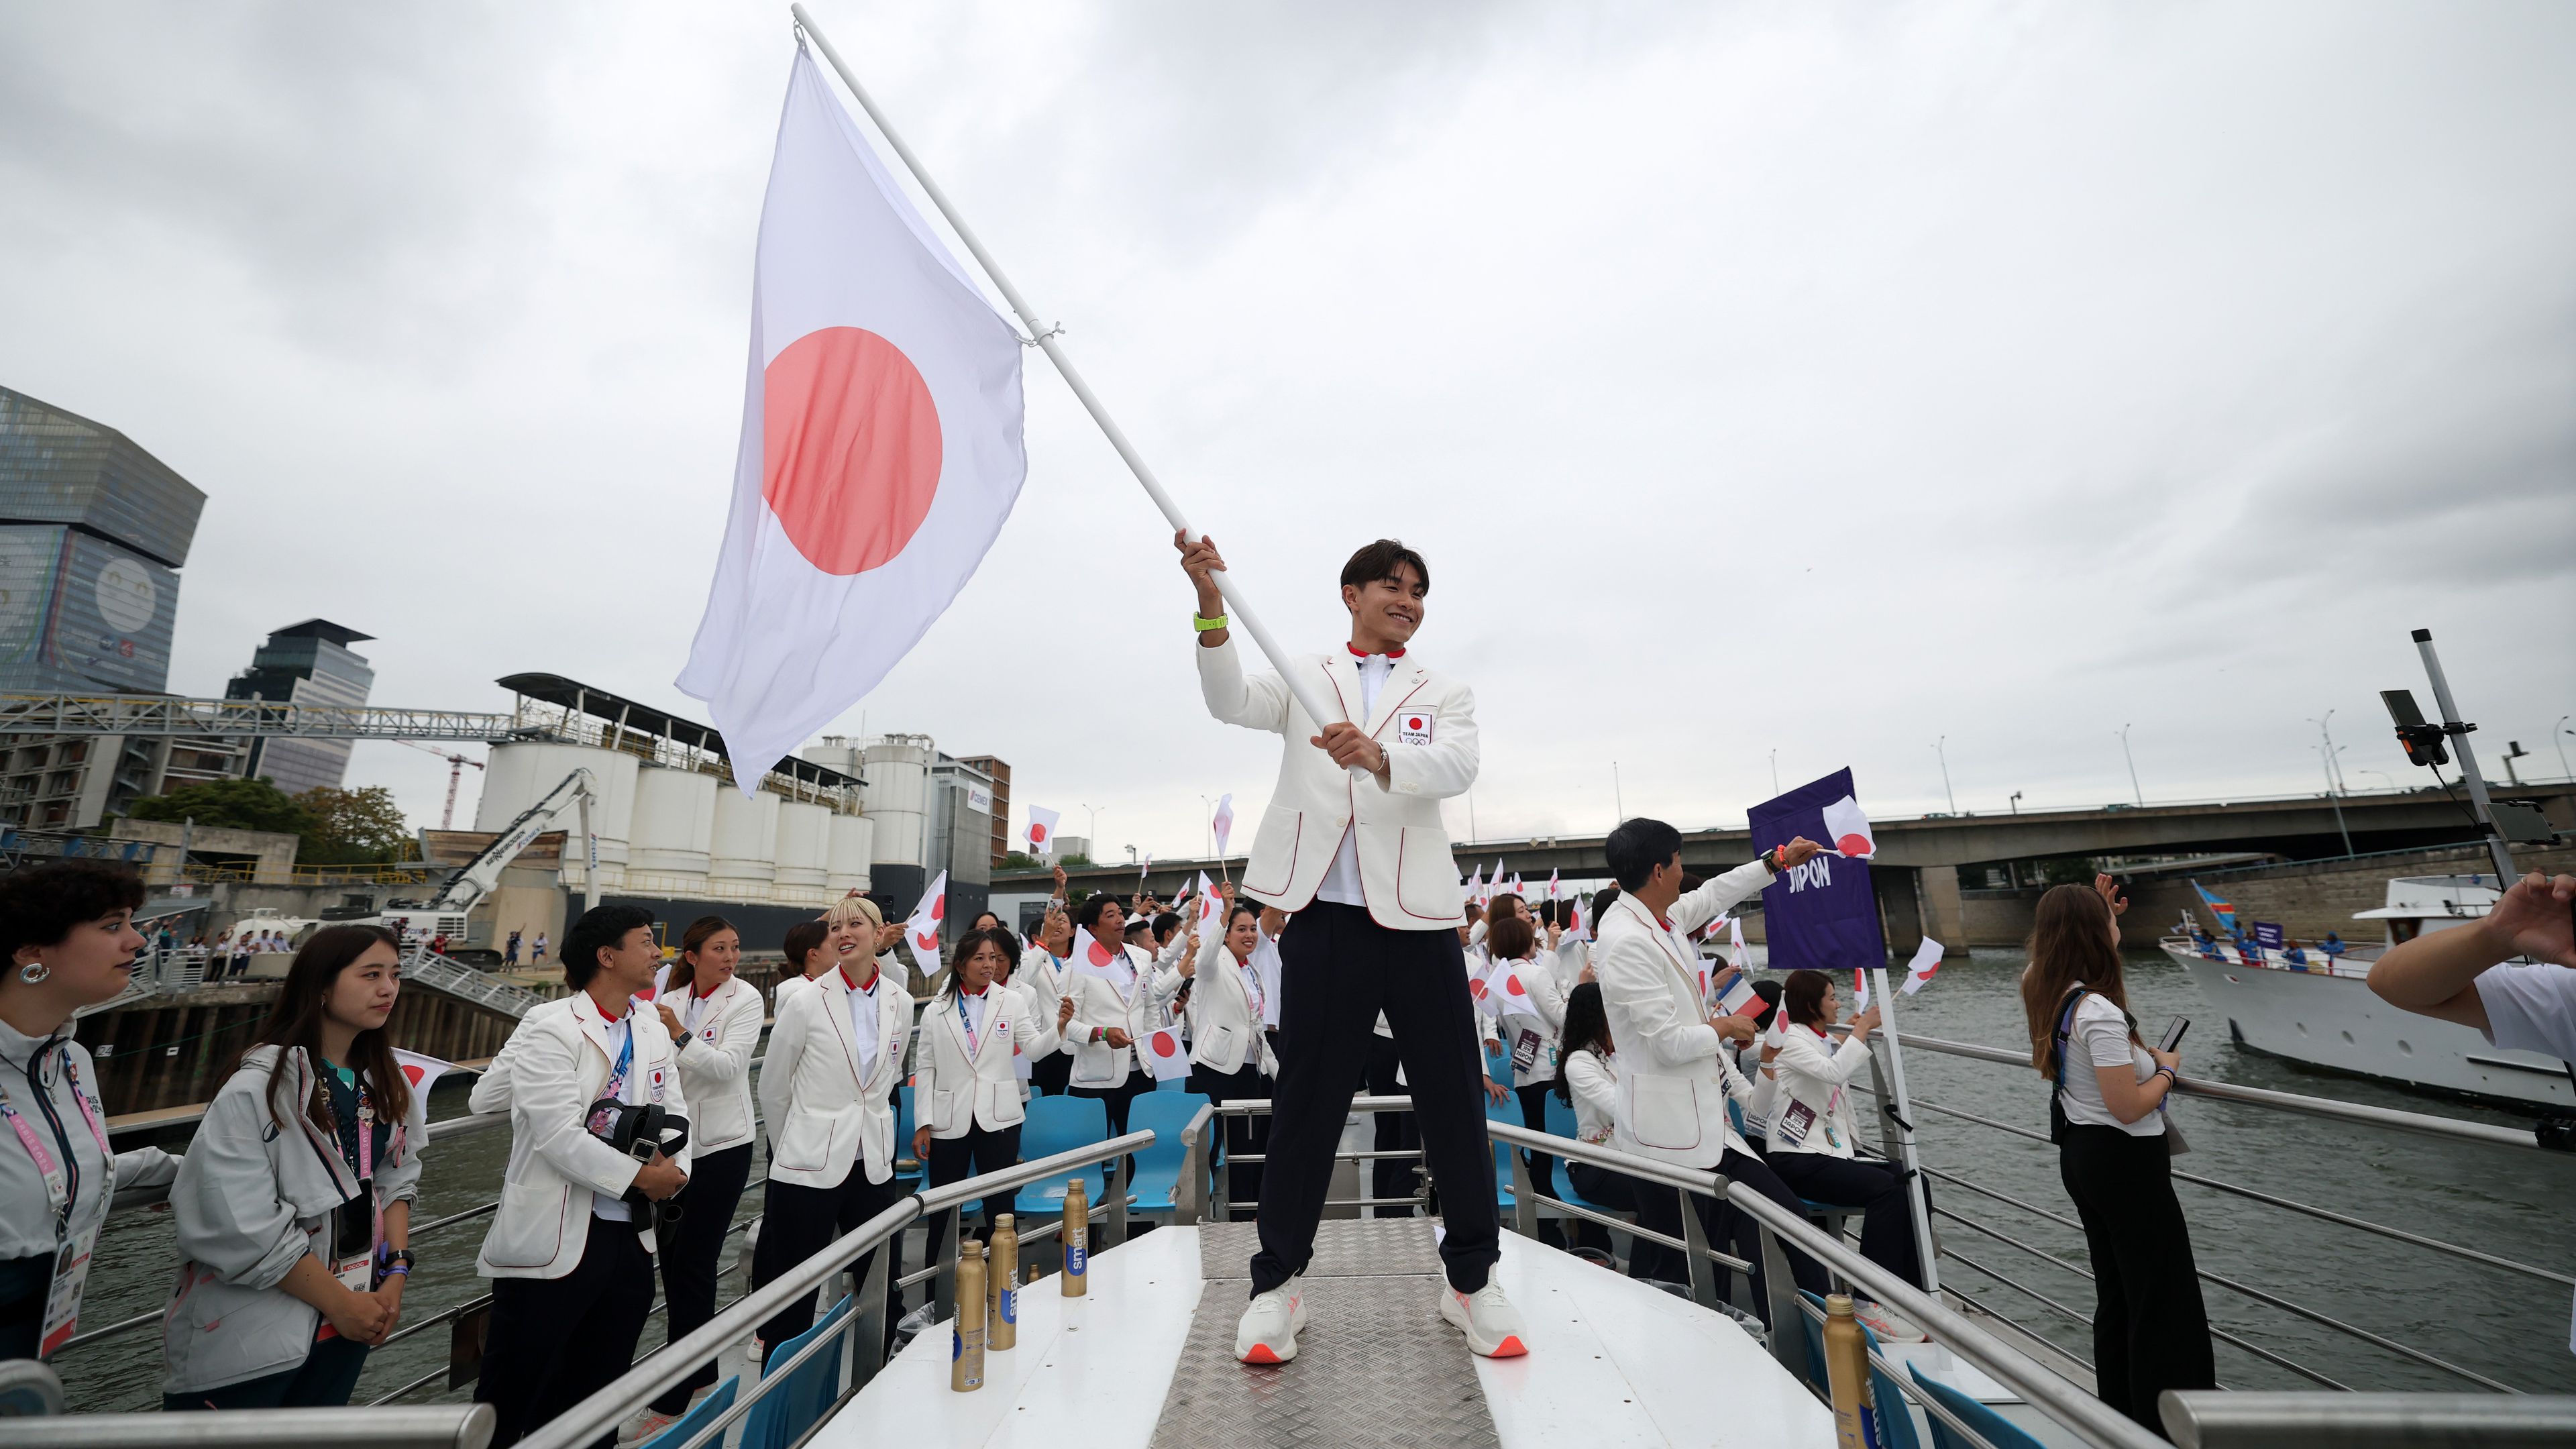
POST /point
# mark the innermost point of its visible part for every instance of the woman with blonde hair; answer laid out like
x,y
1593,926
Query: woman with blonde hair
x,y
2107,1117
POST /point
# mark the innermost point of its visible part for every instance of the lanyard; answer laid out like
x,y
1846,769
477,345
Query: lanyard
x,y
1252,989
966,1020
625,1058
1825,1039
61,1178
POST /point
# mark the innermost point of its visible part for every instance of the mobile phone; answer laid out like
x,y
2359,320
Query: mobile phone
x,y
2173,1033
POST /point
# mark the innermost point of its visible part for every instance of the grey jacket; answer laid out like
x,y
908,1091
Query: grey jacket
x,y
30,1066
251,1201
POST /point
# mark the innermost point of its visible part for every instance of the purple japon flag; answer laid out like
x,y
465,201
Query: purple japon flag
x,y
1821,915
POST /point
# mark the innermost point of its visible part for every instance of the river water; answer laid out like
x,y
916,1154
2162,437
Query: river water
x,y
2516,1204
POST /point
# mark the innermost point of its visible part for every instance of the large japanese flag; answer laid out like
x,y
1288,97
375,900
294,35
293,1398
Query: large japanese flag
x,y
922,930
880,448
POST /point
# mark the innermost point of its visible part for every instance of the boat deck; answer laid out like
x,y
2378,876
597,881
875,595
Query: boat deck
x,y
1146,1358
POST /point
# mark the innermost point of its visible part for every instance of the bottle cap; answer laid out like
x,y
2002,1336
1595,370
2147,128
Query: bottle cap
x,y
1001,1221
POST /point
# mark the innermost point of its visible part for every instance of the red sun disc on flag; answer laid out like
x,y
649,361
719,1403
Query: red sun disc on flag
x,y
850,448
939,907
925,941
1037,834
1853,845
1099,954
413,1073
1164,1046
1512,984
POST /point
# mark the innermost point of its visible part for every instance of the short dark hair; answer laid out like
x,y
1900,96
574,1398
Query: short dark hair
x,y
1802,995
601,928
1165,924
1087,914
1637,847
1510,938
1380,560
39,904
1601,900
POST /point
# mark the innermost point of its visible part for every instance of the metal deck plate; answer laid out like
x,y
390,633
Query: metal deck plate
x,y
1375,1364
1365,1248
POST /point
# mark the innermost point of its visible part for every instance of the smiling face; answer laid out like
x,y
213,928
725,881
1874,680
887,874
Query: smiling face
x,y
1385,612
852,941
1243,936
978,970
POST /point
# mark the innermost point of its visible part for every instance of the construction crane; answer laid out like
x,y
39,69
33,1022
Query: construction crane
x,y
455,772
446,911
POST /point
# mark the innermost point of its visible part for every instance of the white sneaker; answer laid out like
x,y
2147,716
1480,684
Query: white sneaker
x,y
643,1425
1887,1325
1268,1333
1493,1327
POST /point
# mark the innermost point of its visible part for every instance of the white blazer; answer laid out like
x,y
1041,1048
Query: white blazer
x,y
1538,973
1098,1006
1812,1073
824,1111
956,1088
1225,1027
715,1064
1592,1080
555,1064
1673,1081
1427,723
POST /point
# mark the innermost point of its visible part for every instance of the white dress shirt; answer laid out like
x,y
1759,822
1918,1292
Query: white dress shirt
x,y
1342,882
863,1021
613,1206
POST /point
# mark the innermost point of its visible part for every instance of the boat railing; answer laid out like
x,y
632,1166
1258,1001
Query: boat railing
x,y
2552,1138
2351,963
858,1340
1216,1201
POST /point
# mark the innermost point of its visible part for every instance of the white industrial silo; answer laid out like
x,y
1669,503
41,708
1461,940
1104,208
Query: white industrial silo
x,y
675,822
521,773
745,834
804,843
898,800
845,868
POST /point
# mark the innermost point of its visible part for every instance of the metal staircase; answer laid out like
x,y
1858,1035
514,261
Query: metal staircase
x,y
424,967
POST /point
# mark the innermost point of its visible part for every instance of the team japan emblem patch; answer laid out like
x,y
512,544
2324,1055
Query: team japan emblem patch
x,y
1413,728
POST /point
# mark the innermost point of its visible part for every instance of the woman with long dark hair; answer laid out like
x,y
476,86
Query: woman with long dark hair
x,y
713,1017
293,1205
67,940
1587,1079
2107,1115
965,1090
1230,1056
1814,1128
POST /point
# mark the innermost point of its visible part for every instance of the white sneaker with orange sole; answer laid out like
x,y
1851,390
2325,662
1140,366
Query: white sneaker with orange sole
x,y
1268,1332
1493,1327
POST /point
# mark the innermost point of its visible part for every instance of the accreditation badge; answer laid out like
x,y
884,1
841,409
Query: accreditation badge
x,y
1414,728
63,1298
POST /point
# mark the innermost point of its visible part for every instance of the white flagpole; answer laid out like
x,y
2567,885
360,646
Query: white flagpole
x,y
1905,1134
1238,608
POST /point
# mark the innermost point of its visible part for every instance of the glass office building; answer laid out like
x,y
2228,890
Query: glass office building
x,y
307,663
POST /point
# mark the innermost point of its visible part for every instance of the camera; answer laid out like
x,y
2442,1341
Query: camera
x,y
641,1130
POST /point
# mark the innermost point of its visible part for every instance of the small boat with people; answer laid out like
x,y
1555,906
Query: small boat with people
x,y
2309,1002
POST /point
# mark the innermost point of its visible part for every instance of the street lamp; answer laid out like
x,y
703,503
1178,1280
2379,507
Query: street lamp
x,y
1775,772
1091,831
2383,775
2134,792
1937,748
2334,766
2326,756
2015,802
1618,802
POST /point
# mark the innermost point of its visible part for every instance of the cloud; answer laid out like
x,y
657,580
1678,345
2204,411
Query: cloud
x,y
1828,379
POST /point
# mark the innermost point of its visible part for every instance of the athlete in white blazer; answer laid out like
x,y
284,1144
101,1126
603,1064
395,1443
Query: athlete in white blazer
x,y
836,1054
713,1018
569,1257
1230,1055
1588,1080
1111,1012
1814,1127
1674,1080
1352,844
965,1082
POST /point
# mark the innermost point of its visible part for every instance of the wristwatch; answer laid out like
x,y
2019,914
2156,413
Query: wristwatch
x,y
388,1258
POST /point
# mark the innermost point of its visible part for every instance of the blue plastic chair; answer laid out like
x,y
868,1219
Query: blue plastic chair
x,y
1169,1084
701,1414
1896,1421
1061,1124
1158,1167
2001,1432
782,1417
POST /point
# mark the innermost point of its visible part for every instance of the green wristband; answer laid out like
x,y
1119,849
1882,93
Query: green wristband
x,y
1203,625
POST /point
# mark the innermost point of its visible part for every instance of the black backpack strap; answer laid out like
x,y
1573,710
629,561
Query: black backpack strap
x,y
2066,1005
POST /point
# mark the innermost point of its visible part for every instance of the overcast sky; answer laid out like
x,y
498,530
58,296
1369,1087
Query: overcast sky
x,y
1826,379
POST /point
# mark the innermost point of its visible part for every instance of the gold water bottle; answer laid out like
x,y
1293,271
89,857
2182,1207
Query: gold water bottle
x,y
966,1340
1847,1372
1002,1313
1077,1239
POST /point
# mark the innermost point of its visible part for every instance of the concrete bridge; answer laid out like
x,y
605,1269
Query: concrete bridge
x,y
1918,868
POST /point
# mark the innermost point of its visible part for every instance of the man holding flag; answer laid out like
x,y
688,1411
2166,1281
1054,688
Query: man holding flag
x,y
1352,845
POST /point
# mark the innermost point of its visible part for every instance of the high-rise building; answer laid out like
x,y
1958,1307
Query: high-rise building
x,y
1000,770
307,663
93,531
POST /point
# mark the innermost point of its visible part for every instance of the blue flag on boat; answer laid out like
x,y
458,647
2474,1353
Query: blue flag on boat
x,y
1822,915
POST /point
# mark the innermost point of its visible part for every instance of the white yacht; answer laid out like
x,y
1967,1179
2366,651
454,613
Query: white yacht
x,y
2309,1006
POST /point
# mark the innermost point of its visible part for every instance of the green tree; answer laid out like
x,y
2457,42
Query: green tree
x,y
1075,861
1020,860
227,805
347,827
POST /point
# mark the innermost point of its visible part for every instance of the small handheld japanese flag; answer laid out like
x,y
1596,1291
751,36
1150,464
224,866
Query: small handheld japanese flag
x,y
1476,885
922,930
421,1071
1848,828
1918,972
1504,993
1224,826
1860,989
881,445
1090,958
1551,885
1163,1054
1735,940
1211,907
1577,928
1042,830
